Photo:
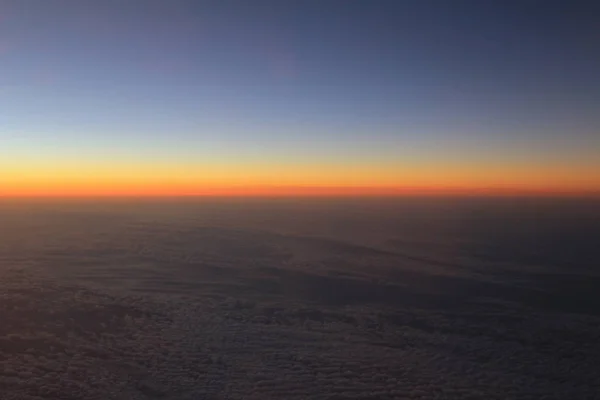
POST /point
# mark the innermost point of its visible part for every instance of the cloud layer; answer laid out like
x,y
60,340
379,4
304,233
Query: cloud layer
x,y
97,306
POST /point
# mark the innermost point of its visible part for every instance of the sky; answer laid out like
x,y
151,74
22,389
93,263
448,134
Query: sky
x,y
148,97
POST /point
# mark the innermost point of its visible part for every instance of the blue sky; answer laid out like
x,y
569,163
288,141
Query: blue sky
x,y
360,80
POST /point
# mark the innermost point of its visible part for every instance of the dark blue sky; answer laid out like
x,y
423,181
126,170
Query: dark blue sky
x,y
349,79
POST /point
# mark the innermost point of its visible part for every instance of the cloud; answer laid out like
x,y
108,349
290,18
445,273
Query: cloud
x,y
98,304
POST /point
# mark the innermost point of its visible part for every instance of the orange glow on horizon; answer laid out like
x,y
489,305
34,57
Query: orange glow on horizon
x,y
291,191
151,179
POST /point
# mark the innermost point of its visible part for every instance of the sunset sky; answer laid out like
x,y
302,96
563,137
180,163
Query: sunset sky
x,y
305,97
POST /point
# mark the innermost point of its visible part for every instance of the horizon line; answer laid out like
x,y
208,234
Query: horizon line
x,y
312,192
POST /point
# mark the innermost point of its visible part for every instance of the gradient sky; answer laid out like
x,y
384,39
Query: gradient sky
x,y
324,96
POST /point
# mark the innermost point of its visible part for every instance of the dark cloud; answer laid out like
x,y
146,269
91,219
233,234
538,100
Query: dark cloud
x,y
101,305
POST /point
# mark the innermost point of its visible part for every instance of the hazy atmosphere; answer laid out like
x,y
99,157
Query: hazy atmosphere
x,y
357,199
